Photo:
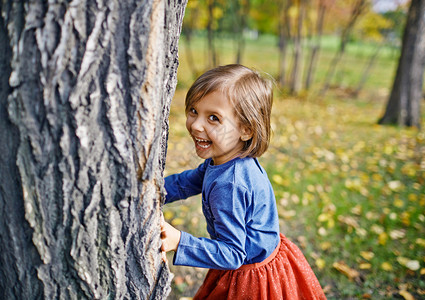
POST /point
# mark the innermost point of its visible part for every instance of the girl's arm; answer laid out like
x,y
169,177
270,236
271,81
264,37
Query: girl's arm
x,y
226,249
185,184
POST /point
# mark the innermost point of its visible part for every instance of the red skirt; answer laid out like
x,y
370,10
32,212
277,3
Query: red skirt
x,y
285,274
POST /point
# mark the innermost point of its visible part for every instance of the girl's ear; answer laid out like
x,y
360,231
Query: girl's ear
x,y
246,134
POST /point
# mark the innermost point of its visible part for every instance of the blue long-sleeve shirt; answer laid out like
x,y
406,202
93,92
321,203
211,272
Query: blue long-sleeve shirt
x,y
240,209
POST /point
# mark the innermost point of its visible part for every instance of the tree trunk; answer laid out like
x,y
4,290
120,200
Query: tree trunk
x,y
212,52
284,38
242,13
85,90
358,9
191,18
316,47
298,53
367,70
403,107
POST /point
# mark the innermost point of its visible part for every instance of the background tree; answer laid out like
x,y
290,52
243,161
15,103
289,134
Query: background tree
x,y
85,90
404,104
323,6
373,28
358,8
296,73
192,16
284,38
240,21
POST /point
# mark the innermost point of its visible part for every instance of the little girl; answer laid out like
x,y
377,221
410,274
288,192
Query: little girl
x,y
228,117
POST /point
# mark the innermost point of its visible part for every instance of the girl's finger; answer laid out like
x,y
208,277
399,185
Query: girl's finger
x,y
164,257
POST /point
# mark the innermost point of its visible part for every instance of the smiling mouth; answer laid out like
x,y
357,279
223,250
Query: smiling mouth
x,y
204,144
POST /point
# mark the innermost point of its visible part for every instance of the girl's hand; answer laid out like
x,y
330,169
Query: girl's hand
x,y
170,237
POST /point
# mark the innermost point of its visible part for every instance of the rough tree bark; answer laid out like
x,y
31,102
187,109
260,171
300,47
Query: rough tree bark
x,y
85,89
404,105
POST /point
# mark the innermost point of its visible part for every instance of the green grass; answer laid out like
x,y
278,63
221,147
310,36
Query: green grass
x,y
350,193
262,54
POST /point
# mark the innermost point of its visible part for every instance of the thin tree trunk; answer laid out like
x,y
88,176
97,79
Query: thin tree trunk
x,y
212,52
284,39
357,11
84,101
298,53
189,54
366,71
241,22
404,104
316,47
191,18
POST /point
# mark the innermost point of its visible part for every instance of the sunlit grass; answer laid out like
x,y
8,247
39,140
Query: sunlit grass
x,y
350,193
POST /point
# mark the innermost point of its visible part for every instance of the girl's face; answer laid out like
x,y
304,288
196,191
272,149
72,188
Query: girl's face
x,y
215,129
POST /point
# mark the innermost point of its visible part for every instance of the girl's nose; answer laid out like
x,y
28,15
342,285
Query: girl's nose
x,y
197,125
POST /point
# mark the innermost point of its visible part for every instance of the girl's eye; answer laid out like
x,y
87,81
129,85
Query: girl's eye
x,y
213,118
193,111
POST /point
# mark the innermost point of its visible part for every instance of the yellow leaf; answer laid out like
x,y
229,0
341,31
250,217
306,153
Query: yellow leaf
x,y
412,197
386,266
365,266
357,210
368,255
420,242
398,203
413,265
346,270
331,223
348,220
280,180
325,245
277,179
383,237
406,295
323,217
287,214
422,272
320,263
168,215
177,222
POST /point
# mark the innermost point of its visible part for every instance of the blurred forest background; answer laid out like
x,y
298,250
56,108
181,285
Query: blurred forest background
x,y
350,192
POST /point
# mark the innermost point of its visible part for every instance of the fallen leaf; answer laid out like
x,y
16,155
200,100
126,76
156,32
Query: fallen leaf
x,y
386,266
383,237
320,263
346,270
420,242
397,234
325,245
365,266
177,221
413,265
406,295
368,255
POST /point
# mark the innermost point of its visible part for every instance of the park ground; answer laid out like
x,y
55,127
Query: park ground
x,y
350,193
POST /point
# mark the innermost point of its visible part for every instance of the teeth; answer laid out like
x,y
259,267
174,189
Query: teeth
x,y
203,146
200,140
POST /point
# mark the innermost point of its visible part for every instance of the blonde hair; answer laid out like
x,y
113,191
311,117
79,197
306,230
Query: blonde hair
x,y
251,96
